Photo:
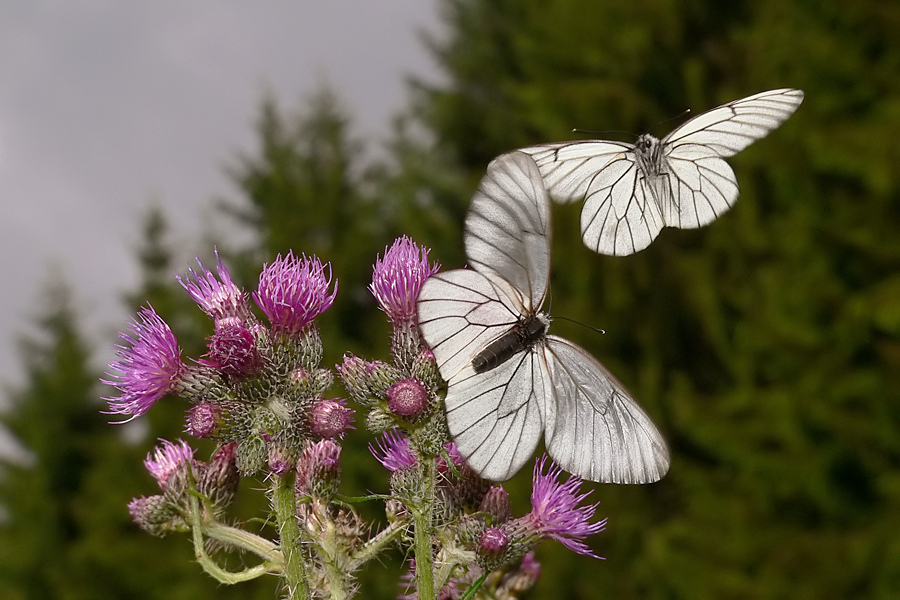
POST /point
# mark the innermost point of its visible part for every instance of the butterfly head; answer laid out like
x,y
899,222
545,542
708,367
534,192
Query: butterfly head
x,y
648,150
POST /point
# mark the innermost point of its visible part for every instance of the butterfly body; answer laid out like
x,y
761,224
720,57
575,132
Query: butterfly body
x,y
523,336
632,191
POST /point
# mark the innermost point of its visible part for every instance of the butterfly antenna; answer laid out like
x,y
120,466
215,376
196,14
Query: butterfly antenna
x,y
593,132
676,117
598,330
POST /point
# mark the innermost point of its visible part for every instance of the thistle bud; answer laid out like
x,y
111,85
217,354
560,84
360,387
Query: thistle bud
x,y
355,378
425,369
382,376
203,419
319,470
252,454
219,479
330,418
279,460
407,398
154,515
493,543
496,504
232,349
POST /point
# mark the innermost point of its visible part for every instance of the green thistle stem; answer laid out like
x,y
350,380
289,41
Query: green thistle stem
x,y
252,542
284,505
423,525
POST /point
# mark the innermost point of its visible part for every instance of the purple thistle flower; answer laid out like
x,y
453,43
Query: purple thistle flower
x,y
330,418
148,369
398,278
555,512
218,299
393,451
168,458
294,291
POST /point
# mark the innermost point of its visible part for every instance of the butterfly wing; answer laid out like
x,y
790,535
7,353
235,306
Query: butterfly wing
x,y
728,129
506,231
495,417
599,432
703,185
619,216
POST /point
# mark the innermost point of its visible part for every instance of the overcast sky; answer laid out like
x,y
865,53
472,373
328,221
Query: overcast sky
x,y
105,105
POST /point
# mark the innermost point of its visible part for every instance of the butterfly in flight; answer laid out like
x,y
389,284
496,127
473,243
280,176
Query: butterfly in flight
x,y
508,381
632,191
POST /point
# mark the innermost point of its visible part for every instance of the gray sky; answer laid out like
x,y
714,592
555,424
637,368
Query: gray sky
x,y
105,105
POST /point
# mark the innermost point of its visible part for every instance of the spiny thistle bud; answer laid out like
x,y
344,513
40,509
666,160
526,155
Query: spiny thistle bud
x,y
407,398
379,420
252,454
154,515
319,470
310,383
425,369
170,465
382,376
496,504
492,546
232,350
203,419
279,460
219,479
354,372
330,418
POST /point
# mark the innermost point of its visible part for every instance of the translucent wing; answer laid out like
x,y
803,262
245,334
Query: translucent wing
x,y
700,188
728,129
619,216
568,168
703,185
495,417
599,432
506,233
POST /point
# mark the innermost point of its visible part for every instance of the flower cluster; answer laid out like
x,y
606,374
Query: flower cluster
x,y
259,386
261,393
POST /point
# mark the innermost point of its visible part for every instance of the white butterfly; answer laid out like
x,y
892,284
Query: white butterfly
x,y
509,382
632,191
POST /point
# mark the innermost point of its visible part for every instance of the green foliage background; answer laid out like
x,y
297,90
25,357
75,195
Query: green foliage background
x,y
766,346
